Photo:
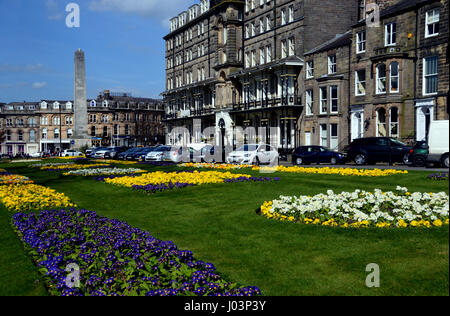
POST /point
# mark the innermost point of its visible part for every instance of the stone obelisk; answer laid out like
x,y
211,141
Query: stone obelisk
x,y
81,135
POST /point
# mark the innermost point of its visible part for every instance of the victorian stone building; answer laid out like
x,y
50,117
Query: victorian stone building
x,y
48,125
317,72
399,71
249,72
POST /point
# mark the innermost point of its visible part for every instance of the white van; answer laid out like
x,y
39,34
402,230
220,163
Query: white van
x,y
438,142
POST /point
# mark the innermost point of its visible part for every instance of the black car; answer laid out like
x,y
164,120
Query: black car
x,y
316,154
140,154
418,154
377,149
125,154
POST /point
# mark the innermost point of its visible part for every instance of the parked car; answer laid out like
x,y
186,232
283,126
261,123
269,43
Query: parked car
x,y
140,154
316,154
206,154
157,153
123,155
418,154
438,143
36,155
71,153
175,154
112,154
254,154
90,153
377,149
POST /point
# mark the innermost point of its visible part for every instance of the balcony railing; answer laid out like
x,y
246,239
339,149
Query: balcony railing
x,y
292,100
188,113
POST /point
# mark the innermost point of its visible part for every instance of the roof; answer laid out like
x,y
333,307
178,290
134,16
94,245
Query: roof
x,y
405,5
339,41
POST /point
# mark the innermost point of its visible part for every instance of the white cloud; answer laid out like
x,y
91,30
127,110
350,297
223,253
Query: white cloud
x,y
156,9
28,68
54,11
39,85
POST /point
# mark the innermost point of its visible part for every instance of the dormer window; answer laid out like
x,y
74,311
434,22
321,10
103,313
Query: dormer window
x,y
68,105
105,104
56,106
93,104
43,105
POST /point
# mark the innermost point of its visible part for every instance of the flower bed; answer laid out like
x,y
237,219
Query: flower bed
x,y
103,172
362,209
297,169
114,258
220,166
333,171
158,181
7,179
117,162
32,197
439,176
72,166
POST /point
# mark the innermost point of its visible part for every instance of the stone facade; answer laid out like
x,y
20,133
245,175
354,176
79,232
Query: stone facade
x,y
387,92
258,84
113,120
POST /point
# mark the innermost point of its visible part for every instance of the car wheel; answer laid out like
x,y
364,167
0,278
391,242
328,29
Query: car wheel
x,y
444,161
361,159
334,161
419,161
406,159
299,161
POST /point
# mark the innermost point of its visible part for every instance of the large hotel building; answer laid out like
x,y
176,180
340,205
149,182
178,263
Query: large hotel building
x,y
315,72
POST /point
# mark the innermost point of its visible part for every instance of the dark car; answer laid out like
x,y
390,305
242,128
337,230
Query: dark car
x,y
316,154
377,149
140,154
125,154
418,154
114,152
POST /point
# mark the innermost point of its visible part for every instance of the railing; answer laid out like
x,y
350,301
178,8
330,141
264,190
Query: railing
x,y
192,113
293,100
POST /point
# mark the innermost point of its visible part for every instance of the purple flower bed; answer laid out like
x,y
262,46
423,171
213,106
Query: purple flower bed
x,y
115,259
252,179
439,176
157,163
153,188
102,178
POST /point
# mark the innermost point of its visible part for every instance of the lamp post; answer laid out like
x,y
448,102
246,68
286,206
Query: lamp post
x,y
222,132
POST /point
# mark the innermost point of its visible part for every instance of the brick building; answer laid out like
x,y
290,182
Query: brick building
x,y
113,120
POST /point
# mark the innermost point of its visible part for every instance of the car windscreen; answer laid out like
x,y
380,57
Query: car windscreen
x,y
247,148
397,142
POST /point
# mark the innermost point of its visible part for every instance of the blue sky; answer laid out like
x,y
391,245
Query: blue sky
x,y
122,40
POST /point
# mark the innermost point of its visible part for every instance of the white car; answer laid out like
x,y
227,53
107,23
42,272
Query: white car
x,y
71,153
157,153
254,154
36,155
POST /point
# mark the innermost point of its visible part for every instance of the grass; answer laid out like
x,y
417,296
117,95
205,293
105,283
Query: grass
x,y
219,224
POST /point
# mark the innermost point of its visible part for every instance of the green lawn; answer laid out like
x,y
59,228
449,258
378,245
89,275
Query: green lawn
x,y
219,224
